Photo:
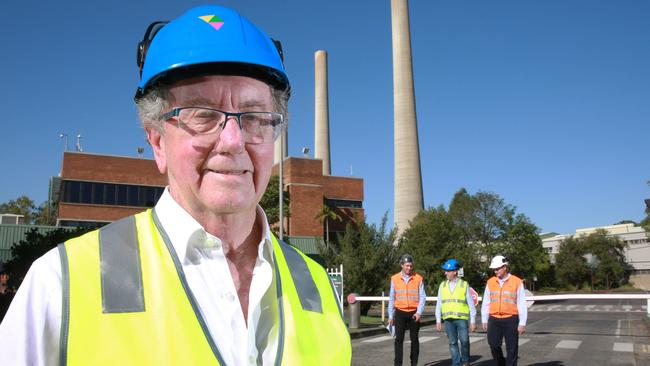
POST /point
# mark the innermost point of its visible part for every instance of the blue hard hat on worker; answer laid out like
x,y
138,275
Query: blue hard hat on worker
x,y
450,265
208,40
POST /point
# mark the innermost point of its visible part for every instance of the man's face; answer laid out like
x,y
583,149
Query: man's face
x,y
209,174
451,275
501,271
407,268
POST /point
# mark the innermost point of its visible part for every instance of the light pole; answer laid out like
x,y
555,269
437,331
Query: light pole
x,y
280,185
64,137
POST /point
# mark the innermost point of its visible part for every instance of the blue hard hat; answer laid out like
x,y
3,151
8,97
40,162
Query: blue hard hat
x,y
208,40
450,265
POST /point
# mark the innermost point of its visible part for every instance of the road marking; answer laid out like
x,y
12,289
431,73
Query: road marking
x,y
553,307
571,307
377,339
618,329
568,344
623,347
590,307
424,339
523,341
475,339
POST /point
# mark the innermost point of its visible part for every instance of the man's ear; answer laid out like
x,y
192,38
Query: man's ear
x,y
157,141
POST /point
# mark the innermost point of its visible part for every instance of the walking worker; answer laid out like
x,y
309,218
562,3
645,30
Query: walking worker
x,y
199,279
405,306
455,307
504,301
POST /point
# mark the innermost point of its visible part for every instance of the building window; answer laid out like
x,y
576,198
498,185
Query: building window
x,y
343,203
110,194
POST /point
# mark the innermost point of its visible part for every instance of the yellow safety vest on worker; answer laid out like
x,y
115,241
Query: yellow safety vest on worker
x,y
454,304
126,302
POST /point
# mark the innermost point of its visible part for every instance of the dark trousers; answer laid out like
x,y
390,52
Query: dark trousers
x,y
404,320
498,329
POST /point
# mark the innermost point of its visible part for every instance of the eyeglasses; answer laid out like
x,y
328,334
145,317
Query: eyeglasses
x,y
257,127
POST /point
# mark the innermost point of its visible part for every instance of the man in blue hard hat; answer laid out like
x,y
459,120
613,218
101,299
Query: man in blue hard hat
x,y
455,308
199,279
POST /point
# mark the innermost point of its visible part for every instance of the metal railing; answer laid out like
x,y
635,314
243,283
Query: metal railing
x,y
354,299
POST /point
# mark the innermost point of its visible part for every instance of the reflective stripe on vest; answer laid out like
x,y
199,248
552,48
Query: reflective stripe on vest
x,y
407,295
454,304
503,299
153,317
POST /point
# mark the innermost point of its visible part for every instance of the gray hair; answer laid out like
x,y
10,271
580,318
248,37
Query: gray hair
x,y
156,102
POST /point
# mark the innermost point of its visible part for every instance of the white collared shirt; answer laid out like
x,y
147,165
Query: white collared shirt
x,y
29,333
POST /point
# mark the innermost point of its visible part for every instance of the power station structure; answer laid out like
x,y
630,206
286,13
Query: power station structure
x,y
321,112
408,178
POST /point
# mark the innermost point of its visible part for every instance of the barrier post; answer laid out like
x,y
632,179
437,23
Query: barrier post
x,y
354,307
383,309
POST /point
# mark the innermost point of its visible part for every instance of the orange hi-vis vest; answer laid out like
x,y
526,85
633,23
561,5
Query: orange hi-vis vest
x,y
407,294
503,299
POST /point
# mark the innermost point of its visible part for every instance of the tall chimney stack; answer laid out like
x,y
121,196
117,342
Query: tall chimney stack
x,y
408,178
322,130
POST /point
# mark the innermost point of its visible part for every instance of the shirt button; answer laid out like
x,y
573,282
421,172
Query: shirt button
x,y
251,360
229,296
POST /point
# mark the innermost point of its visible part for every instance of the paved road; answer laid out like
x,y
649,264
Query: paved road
x,y
565,333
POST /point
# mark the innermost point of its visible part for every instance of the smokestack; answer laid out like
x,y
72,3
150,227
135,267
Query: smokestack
x,y
408,178
321,129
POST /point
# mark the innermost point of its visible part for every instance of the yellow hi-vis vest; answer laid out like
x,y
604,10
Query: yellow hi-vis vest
x,y
126,302
454,304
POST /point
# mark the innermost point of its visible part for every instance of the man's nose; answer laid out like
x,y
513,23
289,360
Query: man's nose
x,y
232,137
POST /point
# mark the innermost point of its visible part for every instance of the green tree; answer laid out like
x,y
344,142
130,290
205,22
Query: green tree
x,y
33,246
646,221
326,214
368,256
521,244
571,267
431,238
483,217
45,215
270,202
22,205
475,228
609,254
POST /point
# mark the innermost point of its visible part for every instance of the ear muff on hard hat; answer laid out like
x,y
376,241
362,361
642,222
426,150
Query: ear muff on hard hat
x,y
208,40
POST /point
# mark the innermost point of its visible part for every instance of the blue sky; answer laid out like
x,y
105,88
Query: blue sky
x,y
546,103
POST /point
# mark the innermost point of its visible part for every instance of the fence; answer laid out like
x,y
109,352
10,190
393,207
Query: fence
x,y
336,275
354,299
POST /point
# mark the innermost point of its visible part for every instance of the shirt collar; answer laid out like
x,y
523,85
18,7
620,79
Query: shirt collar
x,y
187,235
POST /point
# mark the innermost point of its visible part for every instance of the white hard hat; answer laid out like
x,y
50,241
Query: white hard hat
x,y
498,261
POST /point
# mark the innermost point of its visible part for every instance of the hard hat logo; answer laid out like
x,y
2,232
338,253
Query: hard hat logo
x,y
186,48
213,20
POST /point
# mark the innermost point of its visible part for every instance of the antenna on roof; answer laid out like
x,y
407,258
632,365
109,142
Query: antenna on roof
x,y
78,146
